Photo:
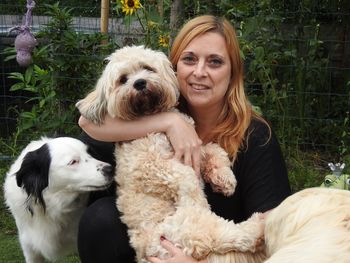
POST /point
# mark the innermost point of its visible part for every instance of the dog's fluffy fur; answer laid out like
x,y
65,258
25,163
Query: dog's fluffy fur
x,y
46,190
310,226
156,193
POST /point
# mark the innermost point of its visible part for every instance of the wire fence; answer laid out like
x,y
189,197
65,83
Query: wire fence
x,y
304,92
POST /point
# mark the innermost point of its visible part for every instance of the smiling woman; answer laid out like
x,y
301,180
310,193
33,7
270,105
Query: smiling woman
x,y
206,57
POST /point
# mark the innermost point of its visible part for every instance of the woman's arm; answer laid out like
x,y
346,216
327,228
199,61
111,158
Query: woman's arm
x,y
115,129
182,135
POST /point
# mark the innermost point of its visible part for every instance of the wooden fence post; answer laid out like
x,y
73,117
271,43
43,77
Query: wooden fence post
x,y
104,18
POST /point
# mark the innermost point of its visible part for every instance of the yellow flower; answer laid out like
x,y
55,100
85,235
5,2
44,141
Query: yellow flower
x,y
130,6
152,24
164,41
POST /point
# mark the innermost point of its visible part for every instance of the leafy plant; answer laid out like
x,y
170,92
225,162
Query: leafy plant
x,y
152,20
63,70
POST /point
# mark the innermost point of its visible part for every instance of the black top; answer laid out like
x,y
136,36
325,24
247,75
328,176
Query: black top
x,y
260,170
262,180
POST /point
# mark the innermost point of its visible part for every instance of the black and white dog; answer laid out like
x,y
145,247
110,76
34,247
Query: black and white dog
x,y
47,189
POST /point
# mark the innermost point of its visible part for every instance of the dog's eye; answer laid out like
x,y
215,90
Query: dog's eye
x,y
146,67
73,162
123,79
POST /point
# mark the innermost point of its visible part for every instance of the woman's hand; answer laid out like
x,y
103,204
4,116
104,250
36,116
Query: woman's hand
x,y
177,256
185,141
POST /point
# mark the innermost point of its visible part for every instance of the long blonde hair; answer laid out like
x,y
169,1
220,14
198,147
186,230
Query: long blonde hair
x,y
237,111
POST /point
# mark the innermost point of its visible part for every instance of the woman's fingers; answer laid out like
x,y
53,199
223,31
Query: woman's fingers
x,y
185,141
154,260
196,159
169,246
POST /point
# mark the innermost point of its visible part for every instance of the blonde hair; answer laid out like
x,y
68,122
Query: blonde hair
x,y
237,111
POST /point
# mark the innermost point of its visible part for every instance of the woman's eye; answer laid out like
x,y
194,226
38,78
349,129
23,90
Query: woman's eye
x,y
216,62
188,59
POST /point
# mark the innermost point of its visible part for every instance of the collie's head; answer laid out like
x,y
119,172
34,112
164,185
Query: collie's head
x,y
61,165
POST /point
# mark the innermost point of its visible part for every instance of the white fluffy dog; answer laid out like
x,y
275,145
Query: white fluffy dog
x,y
310,226
47,189
156,193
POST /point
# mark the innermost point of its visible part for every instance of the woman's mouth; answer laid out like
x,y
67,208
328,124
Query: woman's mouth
x,y
198,87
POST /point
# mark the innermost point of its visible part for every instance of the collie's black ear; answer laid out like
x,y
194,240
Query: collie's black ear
x,y
33,176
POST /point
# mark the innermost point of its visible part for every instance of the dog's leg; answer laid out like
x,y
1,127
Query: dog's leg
x,y
188,187
215,169
200,232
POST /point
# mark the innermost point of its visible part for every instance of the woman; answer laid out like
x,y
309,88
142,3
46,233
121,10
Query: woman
x,y
206,57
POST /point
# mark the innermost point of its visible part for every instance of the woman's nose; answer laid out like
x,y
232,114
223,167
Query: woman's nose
x,y
200,70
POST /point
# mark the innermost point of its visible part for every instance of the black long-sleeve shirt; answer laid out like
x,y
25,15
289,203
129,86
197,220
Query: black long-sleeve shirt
x,y
262,180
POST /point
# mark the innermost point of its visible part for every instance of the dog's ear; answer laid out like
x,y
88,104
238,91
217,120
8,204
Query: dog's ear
x,y
33,175
94,105
169,76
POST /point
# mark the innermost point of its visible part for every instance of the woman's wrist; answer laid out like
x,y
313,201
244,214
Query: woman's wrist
x,y
169,120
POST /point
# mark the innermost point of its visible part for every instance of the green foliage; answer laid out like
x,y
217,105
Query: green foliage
x,y
64,69
153,21
288,75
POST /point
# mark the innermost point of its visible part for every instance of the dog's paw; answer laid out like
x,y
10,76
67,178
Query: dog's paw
x,y
222,180
255,227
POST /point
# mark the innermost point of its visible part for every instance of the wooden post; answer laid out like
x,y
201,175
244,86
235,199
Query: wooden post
x,y
104,18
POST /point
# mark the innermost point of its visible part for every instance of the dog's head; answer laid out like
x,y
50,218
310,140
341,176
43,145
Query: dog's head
x,y
137,81
61,165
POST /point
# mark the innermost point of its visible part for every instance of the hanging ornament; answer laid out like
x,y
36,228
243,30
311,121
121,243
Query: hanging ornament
x,y
25,40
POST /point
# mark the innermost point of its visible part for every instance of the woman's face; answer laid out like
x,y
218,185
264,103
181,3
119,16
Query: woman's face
x,y
204,71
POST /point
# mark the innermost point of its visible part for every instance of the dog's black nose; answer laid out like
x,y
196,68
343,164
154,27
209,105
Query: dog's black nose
x,y
140,84
108,171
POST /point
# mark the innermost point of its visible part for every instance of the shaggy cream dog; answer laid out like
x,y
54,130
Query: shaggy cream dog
x,y
156,193
311,226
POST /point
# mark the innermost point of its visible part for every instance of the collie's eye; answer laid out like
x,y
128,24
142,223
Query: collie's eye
x,y
73,162
123,79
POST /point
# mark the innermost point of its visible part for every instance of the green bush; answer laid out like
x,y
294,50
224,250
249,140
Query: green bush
x,y
65,67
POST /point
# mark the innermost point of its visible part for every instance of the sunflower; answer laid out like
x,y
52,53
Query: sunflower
x,y
130,6
164,40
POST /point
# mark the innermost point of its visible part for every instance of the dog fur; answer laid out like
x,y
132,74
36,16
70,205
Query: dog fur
x,y
310,226
156,193
46,190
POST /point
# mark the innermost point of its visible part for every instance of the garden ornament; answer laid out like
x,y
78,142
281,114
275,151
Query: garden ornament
x,y
337,179
25,40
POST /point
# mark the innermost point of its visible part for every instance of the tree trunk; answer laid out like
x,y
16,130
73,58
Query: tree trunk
x,y
176,18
